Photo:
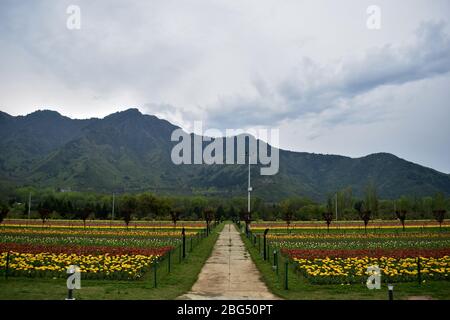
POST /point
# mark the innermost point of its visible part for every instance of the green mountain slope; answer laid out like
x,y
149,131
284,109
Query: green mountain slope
x,y
128,151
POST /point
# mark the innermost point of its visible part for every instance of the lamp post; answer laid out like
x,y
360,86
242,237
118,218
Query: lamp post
x,y
249,186
391,291
73,280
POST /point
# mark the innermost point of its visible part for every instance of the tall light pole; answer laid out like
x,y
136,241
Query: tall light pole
x,y
249,190
249,186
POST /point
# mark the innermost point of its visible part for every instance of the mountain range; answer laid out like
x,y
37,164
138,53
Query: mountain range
x,y
130,152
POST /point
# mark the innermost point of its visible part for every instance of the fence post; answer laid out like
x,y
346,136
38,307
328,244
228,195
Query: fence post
x,y
286,269
191,245
155,283
419,275
7,266
275,260
179,260
168,260
265,241
259,244
184,242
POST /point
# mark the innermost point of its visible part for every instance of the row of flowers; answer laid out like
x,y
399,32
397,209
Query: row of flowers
x,y
343,257
382,236
82,250
70,240
106,224
347,224
373,253
100,253
358,244
349,270
103,266
372,227
93,232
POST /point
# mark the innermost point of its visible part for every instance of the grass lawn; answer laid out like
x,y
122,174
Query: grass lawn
x,y
300,289
180,280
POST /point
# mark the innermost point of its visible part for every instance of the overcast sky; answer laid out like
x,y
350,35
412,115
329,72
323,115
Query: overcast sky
x,y
311,68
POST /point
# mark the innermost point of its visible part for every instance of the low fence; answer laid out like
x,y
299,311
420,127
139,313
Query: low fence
x,y
160,267
284,266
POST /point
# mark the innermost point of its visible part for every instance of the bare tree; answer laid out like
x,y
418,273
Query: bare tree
x,y
128,207
208,215
288,216
4,209
328,217
401,215
364,214
247,217
439,208
439,215
44,210
175,215
86,212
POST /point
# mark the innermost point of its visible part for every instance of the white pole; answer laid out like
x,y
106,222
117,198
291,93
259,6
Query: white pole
x,y
249,187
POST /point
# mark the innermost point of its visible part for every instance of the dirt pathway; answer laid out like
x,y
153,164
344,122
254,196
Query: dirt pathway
x,y
229,273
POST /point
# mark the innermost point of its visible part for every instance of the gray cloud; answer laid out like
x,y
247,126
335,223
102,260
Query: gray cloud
x,y
314,88
310,67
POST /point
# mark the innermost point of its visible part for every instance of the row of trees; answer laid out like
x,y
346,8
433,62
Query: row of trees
x,y
75,205
366,208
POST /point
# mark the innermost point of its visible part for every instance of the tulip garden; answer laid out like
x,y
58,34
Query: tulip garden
x,y
341,255
101,250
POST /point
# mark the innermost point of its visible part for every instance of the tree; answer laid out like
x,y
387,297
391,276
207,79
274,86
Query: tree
x,y
402,208
208,215
220,213
328,217
128,207
247,217
363,213
439,215
175,215
86,212
328,214
345,202
147,205
233,214
438,206
4,209
289,207
401,215
163,207
45,208
288,214
371,199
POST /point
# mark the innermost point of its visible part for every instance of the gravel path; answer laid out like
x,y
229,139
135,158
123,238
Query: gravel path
x,y
229,273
